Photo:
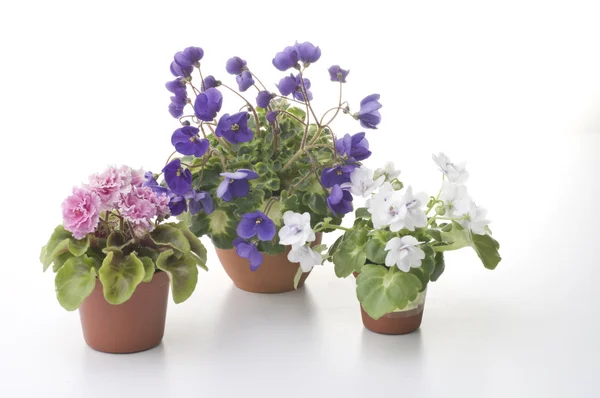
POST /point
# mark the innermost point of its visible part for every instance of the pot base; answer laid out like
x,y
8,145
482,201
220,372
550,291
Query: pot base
x,y
136,325
395,322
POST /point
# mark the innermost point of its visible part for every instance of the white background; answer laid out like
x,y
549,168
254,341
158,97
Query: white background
x,y
513,88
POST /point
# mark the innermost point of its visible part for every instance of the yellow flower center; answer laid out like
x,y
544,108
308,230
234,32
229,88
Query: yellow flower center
x,y
258,220
231,181
339,172
192,139
178,172
235,127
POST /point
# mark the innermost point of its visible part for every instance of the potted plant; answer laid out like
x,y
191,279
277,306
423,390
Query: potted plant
x,y
397,243
113,256
270,157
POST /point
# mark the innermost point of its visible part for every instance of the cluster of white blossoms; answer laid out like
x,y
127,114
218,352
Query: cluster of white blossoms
x,y
297,233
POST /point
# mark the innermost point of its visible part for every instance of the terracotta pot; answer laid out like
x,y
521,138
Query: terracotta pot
x,y
136,325
275,274
398,322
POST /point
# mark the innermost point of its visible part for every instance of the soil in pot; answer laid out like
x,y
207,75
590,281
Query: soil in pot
x,y
275,274
136,325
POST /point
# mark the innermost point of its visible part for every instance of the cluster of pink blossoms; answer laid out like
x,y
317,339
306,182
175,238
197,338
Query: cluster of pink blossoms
x,y
118,189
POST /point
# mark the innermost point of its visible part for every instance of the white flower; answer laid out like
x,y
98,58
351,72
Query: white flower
x,y
455,172
379,206
407,212
306,256
361,182
475,219
296,230
404,253
456,199
388,171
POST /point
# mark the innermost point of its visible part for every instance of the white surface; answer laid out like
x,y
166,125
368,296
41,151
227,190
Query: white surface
x,y
512,88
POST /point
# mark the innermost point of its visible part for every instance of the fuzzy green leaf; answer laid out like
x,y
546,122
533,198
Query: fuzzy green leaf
x,y
57,245
434,234
362,212
348,258
182,272
79,247
75,280
440,265
381,291
486,248
120,275
60,260
149,268
195,245
170,236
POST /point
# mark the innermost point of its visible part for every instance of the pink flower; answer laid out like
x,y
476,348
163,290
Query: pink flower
x,y
81,212
141,205
110,185
137,176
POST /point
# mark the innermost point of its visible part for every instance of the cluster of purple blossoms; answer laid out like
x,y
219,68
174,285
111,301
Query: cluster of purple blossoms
x,y
254,226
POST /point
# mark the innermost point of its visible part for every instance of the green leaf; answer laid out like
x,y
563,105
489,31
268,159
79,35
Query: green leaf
x,y
434,234
79,247
297,277
148,268
57,245
120,276
116,241
168,235
348,258
182,272
316,202
299,113
440,265
61,260
362,212
195,245
486,248
375,250
426,269
75,281
381,291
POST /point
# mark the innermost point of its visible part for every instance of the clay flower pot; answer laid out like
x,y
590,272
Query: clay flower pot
x,y
136,325
275,274
399,322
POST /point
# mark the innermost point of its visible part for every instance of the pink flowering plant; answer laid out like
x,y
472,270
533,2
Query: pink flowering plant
x,y
268,154
113,230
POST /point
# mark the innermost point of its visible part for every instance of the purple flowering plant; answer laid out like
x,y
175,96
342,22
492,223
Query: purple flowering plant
x,y
263,151
113,230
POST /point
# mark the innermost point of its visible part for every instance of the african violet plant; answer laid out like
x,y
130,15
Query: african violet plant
x,y
112,230
271,156
398,240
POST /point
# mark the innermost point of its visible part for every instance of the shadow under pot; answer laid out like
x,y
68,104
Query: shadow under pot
x,y
275,274
402,321
136,325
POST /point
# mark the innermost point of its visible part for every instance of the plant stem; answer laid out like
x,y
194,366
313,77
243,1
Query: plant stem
x,y
292,116
307,100
259,82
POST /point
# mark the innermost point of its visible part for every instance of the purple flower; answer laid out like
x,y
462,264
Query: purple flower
x,y
179,100
244,80
339,201
187,142
287,85
210,82
235,185
256,223
264,98
150,182
369,112
81,212
189,57
338,74
293,84
200,200
248,250
177,204
179,71
272,116
177,87
307,52
336,175
234,128
235,66
208,104
178,179
175,111
286,59
355,147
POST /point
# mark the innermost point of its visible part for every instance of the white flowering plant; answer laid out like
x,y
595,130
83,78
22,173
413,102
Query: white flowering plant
x,y
397,243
